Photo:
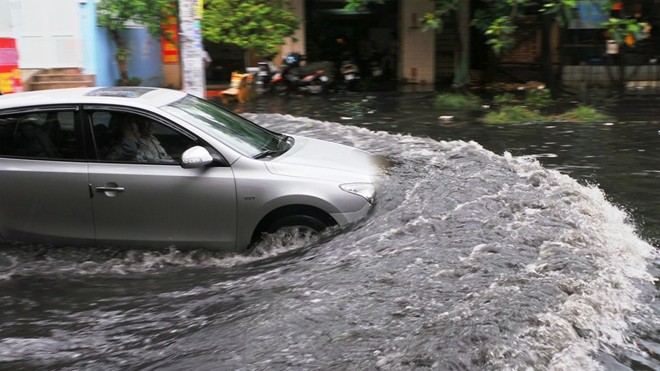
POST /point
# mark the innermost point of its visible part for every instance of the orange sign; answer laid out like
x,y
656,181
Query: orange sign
x,y
10,75
169,44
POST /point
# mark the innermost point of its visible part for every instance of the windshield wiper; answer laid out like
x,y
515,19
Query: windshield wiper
x,y
283,142
268,153
283,145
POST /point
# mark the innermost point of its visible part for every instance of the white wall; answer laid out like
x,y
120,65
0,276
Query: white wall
x,y
5,19
47,32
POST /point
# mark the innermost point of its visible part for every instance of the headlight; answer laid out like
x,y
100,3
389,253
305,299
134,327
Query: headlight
x,y
366,190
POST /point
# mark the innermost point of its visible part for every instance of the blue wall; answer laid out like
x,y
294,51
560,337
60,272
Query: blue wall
x,y
87,32
99,52
106,67
145,58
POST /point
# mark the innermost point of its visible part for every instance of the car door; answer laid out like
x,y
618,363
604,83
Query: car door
x,y
148,202
44,192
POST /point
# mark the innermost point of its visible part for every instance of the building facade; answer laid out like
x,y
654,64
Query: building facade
x,y
391,30
53,34
63,35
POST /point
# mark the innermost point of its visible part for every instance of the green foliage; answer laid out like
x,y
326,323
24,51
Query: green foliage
x,y
538,98
498,19
584,113
498,30
517,114
513,115
565,10
619,29
114,15
533,98
133,81
357,5
433,20
257,25
457,101
504,98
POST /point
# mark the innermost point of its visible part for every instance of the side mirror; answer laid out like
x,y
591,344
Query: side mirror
x,y
196,157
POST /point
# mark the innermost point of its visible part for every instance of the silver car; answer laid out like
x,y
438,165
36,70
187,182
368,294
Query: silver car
x,y
148,167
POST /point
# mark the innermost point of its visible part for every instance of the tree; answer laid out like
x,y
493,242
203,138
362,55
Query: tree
x,y
498,22
116,14
257,25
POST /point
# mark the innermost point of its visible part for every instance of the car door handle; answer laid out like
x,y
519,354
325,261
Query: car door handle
x,y
109,189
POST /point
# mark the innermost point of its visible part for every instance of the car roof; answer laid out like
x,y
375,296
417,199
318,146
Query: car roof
x,y
122,95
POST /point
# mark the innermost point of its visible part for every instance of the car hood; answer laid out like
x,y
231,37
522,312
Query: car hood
x,y
319,159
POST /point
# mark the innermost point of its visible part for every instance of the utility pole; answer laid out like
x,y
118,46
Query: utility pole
x,y
192,63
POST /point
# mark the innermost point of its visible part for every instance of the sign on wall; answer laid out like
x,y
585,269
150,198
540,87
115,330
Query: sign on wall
x,y
10,75
169,44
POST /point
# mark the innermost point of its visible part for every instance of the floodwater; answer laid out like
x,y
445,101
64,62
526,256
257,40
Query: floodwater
x,y
490,247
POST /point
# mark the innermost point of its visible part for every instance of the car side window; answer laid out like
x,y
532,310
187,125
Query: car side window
x,y
129,137
40,135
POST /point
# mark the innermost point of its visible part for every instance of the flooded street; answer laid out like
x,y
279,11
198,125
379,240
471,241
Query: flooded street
x,y
490,247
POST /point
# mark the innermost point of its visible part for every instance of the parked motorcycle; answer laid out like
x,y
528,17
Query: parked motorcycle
x,y
376,68
351,73
292,77
265,73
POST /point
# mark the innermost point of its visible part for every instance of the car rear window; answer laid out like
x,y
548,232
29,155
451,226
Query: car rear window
x,y
40,135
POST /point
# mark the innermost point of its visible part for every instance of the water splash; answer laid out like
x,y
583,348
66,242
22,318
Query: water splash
x,y
471,260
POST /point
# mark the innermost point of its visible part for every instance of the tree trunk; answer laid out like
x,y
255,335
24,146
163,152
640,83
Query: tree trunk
x,y
121,56
123,71
547,55
462,60
623,48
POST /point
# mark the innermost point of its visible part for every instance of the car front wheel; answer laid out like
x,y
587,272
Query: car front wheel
x,y
292,231
304,223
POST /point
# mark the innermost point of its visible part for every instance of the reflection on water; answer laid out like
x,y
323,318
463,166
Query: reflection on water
x,y
473,259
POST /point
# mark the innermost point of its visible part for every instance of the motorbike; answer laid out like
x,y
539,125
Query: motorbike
x,y
376,69
351,73
291,76
265,73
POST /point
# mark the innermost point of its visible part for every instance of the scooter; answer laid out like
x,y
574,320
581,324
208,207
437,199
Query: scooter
x,y
351,73
264,74
292,77
376,69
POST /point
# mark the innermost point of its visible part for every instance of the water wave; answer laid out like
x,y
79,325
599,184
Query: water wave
x,y
471,260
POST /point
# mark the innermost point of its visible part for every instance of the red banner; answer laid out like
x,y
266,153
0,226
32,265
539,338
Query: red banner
x,y
10,75
169,44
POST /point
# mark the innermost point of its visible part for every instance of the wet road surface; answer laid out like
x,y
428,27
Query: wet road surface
x,y
504,247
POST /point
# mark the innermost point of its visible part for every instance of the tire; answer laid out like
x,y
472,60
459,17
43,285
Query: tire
x,y
279,88
305,222
290,231
316,87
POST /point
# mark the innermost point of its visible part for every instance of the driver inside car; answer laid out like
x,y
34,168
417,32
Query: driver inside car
x,y
126,147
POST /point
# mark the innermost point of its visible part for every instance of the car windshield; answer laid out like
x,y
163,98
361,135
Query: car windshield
x,y
240,134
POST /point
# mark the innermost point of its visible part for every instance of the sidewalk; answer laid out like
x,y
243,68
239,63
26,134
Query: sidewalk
x,y
214,90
